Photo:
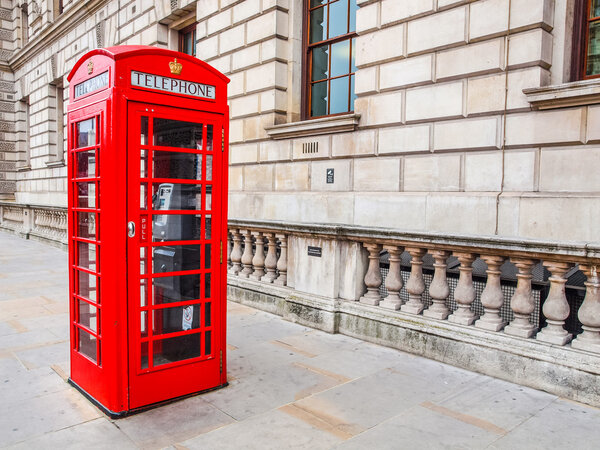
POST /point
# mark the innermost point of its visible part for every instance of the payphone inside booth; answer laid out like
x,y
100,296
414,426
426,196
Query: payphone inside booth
x,y
147,220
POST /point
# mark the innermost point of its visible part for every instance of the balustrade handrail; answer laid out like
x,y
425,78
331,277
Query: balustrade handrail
x,y
576,252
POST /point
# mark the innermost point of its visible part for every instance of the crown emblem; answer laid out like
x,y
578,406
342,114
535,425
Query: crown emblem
x,y
90,67
175,67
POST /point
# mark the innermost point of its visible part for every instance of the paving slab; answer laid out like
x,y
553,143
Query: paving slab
x,y
290,387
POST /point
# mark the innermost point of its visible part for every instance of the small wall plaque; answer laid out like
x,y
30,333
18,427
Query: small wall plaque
x,y
329,176
314,251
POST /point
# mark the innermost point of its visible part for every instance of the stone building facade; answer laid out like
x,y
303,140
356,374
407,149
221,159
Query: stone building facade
x,y
440,207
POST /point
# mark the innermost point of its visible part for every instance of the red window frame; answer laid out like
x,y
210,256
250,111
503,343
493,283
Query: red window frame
x,y
189,30
307,61
580,38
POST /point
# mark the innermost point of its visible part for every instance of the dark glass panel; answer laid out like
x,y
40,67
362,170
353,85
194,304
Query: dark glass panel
x,y
144,131
176,227
209,138
175,133
176,349
176,196
318,102
87,286
173,320
207,315
86,225
88,316
177,165
318,25
86,164
339,95
314,3
595,8
87,345
207,227
320,63
207,254
86,194
86,255
175,258
207,342
176,288
207,286
593,56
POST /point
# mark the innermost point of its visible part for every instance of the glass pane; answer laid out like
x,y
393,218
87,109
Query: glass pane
x,y
207,343
88,316
86,195
314,3
207,256
320,62
176,227
353,57
143,163
143,261
340,58
593,57
143,322
338,18
184,166
87,345
352,93
207,316
207,286
179,318
207,227
353,9
86,225
144,131
209,138
318,100
208,198
86,255
143,293
595,8
86,133
144,355
175,196
143,196
176,288
187,43
86,164
87,286
318,25
176,349
176,258
175,133
209,167
339,95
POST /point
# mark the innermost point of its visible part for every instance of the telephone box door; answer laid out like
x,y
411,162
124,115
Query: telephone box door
x,y
173,252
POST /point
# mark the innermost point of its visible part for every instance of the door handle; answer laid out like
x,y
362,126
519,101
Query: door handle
x,y
131,229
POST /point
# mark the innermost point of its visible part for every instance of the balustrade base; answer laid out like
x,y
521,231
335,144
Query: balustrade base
x,y
394,305
553,338
520,332
439,315
462,319
373,301
490,325
586,344
412,308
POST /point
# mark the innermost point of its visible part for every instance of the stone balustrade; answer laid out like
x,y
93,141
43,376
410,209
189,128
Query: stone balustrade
x,y
38,222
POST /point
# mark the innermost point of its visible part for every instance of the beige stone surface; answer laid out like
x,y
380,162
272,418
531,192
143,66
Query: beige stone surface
x,y
483,133
478,213
292,176
323,276
243,153
367,80
593,124
258,177
525,13
432,173
404,139
354,144
367,17
275,150
244,106
483,171
448,98
407,72
269,75
545,127
236,178
530,48
573,169
399,10
524,79
472,59
301,148
376,174
520,170
245,57
400,210
488,18
486,94
351,273
380,109
381,46
342,175
437,31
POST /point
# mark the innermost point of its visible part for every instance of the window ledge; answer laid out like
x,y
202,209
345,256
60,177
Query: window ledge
x,y
57,163
322,125
577,93
24,168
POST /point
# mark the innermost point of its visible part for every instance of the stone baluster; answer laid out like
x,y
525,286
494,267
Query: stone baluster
x,y
393,281
464,294
229,249
589,312
373,276
415,286
271,260
492,297
522,302
439,289
281,280
247,255
236,253
258,262
556,308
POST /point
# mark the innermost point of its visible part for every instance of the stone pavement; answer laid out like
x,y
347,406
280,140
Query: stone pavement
x,y
290,387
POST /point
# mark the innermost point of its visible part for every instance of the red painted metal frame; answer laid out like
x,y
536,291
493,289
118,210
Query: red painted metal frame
x,y
113,383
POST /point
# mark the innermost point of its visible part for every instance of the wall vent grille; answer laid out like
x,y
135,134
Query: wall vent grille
x,y
310,147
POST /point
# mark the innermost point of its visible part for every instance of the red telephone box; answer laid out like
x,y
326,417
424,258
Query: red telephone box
x,y
147,174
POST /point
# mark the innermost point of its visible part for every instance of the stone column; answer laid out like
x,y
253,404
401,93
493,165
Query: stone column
x,y
492,297
556,308
522,302
439,289
464,294
373,276
281,280
589,312
393,281
229,250
271,260
258,262
236,252
247,255
415,285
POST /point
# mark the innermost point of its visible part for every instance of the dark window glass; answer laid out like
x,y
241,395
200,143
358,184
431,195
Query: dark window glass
x,y
176,349
187,40
175,133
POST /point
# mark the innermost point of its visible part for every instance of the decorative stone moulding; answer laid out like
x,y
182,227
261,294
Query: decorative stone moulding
x,y
578,93
312,127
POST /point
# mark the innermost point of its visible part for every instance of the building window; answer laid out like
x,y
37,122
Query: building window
x,y
24,24
330,37
58,8
592,40
23,126
57,94
187,40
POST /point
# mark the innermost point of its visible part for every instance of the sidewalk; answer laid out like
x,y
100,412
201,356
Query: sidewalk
x,y
290,387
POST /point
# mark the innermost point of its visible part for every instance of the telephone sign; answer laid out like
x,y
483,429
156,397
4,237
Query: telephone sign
x,y
147,173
